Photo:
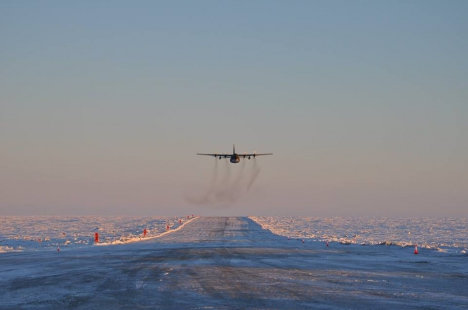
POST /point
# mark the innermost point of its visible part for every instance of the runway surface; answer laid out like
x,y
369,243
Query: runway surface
x,y
231,263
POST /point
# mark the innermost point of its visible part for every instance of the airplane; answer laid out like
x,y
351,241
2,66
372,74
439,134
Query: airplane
x,y
235,158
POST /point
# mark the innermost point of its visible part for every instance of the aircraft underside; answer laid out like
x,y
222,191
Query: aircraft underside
x,y
234,157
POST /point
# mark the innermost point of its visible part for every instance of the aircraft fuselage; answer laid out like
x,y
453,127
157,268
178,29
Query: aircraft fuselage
x,y
235,159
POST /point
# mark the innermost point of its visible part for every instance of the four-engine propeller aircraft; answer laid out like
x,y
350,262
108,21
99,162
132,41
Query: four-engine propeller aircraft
x,y
235,158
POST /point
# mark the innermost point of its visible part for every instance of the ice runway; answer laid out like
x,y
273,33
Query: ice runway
x,y
232,263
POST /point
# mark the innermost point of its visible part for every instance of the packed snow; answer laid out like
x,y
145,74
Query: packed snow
x,y
232,263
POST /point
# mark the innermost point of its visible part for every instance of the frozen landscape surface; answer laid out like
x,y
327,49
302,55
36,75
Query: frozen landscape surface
x,y
231,263
47,233
444,235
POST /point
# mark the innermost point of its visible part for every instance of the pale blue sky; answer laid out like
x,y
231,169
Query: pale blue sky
x,y
103,105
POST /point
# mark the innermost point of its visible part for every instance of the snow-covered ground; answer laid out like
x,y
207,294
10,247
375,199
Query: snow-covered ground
x,y
232,263
445,235
50,233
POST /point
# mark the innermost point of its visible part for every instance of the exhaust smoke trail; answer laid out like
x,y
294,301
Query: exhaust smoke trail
x,y
227,187
254,175
214,180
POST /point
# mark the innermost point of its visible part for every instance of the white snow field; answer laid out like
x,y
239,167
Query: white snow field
x,y
442,234
47,233
232,263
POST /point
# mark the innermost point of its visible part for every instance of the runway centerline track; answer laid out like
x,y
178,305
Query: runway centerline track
x,y
227,263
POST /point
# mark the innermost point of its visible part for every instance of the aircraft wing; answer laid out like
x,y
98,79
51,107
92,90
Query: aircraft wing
x,y
253,154
216,155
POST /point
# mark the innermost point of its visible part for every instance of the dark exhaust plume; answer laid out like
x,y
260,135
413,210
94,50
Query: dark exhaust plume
x,y
253,175
227,188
